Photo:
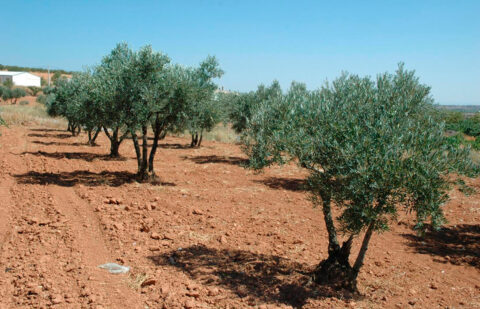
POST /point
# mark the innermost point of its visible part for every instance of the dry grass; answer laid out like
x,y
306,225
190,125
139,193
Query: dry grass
x,y
29,115
221,133
475,155
135,282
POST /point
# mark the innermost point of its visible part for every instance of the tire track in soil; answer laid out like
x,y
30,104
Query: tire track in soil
x,y
86,227
51,244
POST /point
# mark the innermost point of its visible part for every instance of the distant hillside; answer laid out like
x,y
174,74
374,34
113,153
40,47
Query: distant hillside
x,y
28,69
467,109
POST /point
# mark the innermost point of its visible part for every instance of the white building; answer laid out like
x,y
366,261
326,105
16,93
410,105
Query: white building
x,y
20,78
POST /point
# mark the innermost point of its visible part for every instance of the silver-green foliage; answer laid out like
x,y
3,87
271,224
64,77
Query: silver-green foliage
x,y
242,106
373,147
205,111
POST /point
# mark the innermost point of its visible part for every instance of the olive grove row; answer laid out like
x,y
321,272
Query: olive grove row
x,y
372,147
133,92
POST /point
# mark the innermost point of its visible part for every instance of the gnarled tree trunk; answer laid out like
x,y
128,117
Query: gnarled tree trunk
x,y
115,141
92,136
196,140
145,160
336,269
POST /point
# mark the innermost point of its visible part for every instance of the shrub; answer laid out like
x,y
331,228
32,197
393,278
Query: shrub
x,y
34,90
24,102
42,99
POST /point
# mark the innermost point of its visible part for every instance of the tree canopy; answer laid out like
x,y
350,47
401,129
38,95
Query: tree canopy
x,y
372,148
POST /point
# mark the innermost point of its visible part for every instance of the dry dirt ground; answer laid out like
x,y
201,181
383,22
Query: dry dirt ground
x,y
211,235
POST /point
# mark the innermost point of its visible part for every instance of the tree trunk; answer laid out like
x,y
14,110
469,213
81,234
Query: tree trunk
x,y
95,136
89,134
194,140
114,149
157,134
114,142
74,129
336,269
363,249
136,145
200,140
142,158
92,138
145,160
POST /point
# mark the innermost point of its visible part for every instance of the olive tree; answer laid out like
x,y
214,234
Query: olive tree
x,y
244,105
60,103
113,95
84,103
371,147
204,111
13,94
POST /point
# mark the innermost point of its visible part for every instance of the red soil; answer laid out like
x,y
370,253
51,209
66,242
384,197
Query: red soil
x,y
212,235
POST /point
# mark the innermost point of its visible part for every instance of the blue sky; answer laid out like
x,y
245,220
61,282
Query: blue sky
x,y
258,41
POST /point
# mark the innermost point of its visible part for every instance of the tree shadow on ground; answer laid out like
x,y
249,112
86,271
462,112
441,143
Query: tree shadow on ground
x,y
62,144
87,156
217,159
458,245
87,178
291,184
259,277
47,130
59,135
173,146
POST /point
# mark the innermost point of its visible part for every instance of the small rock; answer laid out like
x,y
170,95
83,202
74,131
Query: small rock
x,y
148,282
92,299
197,212
164,289
191,286
118,226
168,236
194,294
35,289
412,302
222,239
242,291
189,304
213,292
57,299
155,235
433,286
32,220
